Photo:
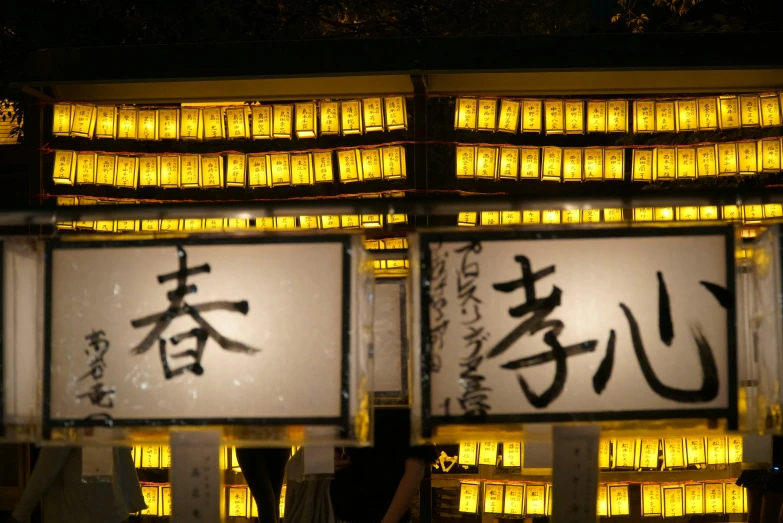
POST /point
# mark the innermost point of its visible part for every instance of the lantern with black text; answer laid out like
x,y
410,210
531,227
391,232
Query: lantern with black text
x,y
61,120
672,502
211,172
351,117
466,162
147,124
531,217
468,449
493,498
643,165
508,118
574,117
591,215
373,114
769,107
83,121
553,116
673,453
512,453
529,163
706,161
468,497
695,451
393,162
488,450
258,168
466,115
665,163
509,163
514,499
371,164
106,169
664,214
716,445
686,163
572,165
747,157
735,443
594,163
648,447
713,498
510,218
749,107
85,168
729,112
126,122
769,155
305,120
238,120
128,171
617,116
323,169
708,212
329,113
694,499
614,164
535,501
151,496
106,123
237,501
486,163
652,504
687,115
611,215
643,214
619,500
261,128
191,123
190,171
214,126
727,159
350,165
734,497
490,218
551,166
164,171
235,170
487,114
281,169
708,114
282,121
168,124
604,445
624,453
602,501
596,117
665,121
396,113
531,116
644,116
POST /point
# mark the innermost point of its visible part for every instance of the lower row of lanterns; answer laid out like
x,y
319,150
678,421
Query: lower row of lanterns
x,y
657,499
239,501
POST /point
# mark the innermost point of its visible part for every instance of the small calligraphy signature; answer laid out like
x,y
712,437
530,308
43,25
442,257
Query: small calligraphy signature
x,y
98,394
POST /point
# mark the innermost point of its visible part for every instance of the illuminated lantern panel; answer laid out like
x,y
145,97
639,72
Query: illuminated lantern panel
x,y
596,117
594,164
624,451
191,123
282,121
61,121
493,499
508,121
536,500
531,116
648,458
486,162
468,497
467,452
696,451
510,218
512,453
572,165
770,110
551,167
672,502
396,113
262,122
665,121
716,450
687,115
574,117
673,453
514,499
749,111
617,116
730,112
713,498
644,116
509,163
602,505
553,116
604,447
305,120
151,495
490,218
487,114
618,500
708,114
694,499
529,163
488,450
237,119
466,114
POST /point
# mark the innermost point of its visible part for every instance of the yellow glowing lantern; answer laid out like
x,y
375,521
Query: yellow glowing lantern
x,y
643,165
488,450
550,217
529,163
749,111
467,219
770,110
687,115
147,124
618,500
258,168
280,169
150,494
572,165
237,501
727,159
688,213
83,121
713,498
769,155
266,223
553,116
694,500
510,218
594,163
192,224
393,162
596,116
165,457
624,453
309,222
371,221
732,213
396,113
169,225
468,497
261,128
652,504
305,120
106,169
672,502
211,171
535,500
329,113
602,501
509,116
551,166
396,218
617,116
673,453
467,451
614,164
574,117
237,223
301,169
664,214
686,162
665,163
591,215
752,213
350,164
493,499
190,171
61,121
644,116
85,224
152,170
106,122
85,168
127,174
490,218
486,162
66,201
165,501
466,116
168,124
150,457
509,163
282,121
371,164
466,162
705,165
514,499
612,215
487,114
648,447
191,123
126,122
772,210
512,451
349,221
708,212
735,499
604,446
748,157
665,122
695,451
531,116
729,112
708,113
330,222
237,119
235,170
322,166
351,117
214,126
531,217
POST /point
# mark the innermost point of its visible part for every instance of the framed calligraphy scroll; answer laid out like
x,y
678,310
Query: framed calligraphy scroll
x,y
390,342
622,324
226,331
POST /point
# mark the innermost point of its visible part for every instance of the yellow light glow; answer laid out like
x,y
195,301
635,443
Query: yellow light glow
x,y
672,502
150,457
488,451
514,499
61,121
281,169
594,163
706,161
695,450
664,214
190,171
83,121
729,112
749,111
713,498
127,174
574,117
150,225
168,124
529,163
648,450
150,494
282,502
716,450
148,124
686,162
466,162
468,497
487,114
748,157
350,221
624,453
509,163
773,210
266,223
572,165
165,501
509,116
486,162
253,513
665,163
553,117
373,114
727,159
350,165
735,449
734,496
694,499
466,114
617,116
126,126
535,500
211,171
604,446
396,218
665,122
330,118
708,212
602,504
237,501
467,219
235,170
213,224
396,243
651,500
237,223
169,225
551,168
769,155
687,115
214,126
618,500
192,224
531,217
614,164
371,164
237,120
85,168
330,222
191,123
305,120
770,110
549,500
596,117
591,215
258,167
396,113
286,222
490,218
106,124
613,215
302,169
644,116
531,116
493,499
752,212
708,114
512,453
731,213
393,158
643,165
323,169
467,453
673,455
370,221
510,218
309,222
550,217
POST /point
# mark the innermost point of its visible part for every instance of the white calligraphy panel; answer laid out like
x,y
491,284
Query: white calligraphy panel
x,y
622,324
255,331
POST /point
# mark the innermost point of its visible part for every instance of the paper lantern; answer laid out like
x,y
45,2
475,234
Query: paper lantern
x,y
490,218
330,222
664,214
83,121
486,163
508,121
665,163
396,113
330,118
237,501
594,164
731,213
301,169
192,224
596,116
128,171
624,452
514,499
351,121
393,162
163,171
769,155
237,223
574,117
86,224
488,451
235,170
706,161
510,218
572,165
371,164
350,164
396,218
602,501
729,112
266,223
282,121
371,221
643,214
190,175
734,499
644,116
613,215
535,501
191,123
512,450
713,498
466,116
487,114
531,116
238,121
727,159
305,120
150,457
688,213
262,122
771,210
708,212
648,450
322,167
594,215
169,225
550,217
126,122
466,162
686,163
529,163
211,172
61,119
147,124
151,497
708,114
770,110
168,124
467,452
694,499
604,446
695,450
309,222
531,217
673,453
687,115
467,219
350,221
747,155
468,497
617,116
258,168
493,498
281,169
665,122
651,500
614,164
672,502
85,168
643,165
165,501
554,117
618,500
106,122
165,457
214,127
752,213
749,111
551,166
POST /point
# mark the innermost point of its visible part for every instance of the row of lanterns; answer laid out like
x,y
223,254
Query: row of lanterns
x,y
239,501
568,164
218,171
246,121
708,113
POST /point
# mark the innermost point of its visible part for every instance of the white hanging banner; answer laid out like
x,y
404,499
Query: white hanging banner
x,y
575,473
196,490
